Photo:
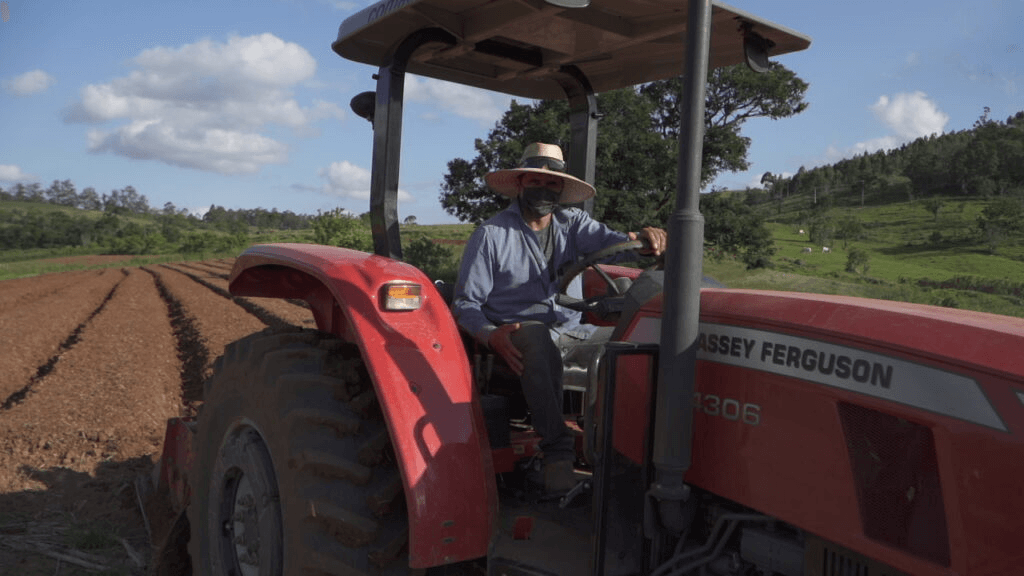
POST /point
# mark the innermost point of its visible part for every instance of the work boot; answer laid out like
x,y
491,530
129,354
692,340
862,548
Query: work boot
x,y
559,477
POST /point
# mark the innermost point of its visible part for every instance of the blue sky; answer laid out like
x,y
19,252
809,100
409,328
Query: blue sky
x,y
243,104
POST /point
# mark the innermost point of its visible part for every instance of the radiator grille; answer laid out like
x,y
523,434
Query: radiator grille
x,y
897,482
827,559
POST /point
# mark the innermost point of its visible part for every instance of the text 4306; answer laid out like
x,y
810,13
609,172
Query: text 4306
x,y
728,408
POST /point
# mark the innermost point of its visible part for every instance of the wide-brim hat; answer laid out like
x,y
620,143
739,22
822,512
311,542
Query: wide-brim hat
x,y
544,159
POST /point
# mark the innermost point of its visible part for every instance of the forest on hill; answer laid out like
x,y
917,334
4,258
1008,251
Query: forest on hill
x,y
985,161
123,222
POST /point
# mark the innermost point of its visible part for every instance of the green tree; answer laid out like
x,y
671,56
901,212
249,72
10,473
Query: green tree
x,y
933,205
338,228
432,259
1002,218
849,228
34,193
858,261
734,95
731,226
197,243
637,142
62,193
172,227
821,230
89,200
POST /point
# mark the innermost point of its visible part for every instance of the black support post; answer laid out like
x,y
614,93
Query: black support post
x,y
583,117
387,142
673,427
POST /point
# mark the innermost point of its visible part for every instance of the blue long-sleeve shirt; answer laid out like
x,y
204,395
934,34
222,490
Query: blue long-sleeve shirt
x,y
505,278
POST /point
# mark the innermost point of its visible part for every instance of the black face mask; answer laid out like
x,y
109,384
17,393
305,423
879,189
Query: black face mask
x,y
539,200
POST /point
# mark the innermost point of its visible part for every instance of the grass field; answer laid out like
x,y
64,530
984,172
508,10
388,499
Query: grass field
x,y
49,263
910,253
907,246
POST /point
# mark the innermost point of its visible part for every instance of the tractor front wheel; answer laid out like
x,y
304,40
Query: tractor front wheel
x,y
293,470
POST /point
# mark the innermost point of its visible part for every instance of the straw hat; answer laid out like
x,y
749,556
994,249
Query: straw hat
x,y
545,159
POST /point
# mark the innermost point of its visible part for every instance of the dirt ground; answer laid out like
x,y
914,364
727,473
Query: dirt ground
x,y
92,364
91,259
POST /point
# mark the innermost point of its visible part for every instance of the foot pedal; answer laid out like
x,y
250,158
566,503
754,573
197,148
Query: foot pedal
x,y
581,487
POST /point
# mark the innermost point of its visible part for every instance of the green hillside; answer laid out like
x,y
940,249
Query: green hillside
x,y
912,255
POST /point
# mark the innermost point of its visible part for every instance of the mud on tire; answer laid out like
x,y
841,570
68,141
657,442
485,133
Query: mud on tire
x,y
293,468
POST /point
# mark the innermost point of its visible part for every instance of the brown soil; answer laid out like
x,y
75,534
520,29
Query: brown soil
x,y
91,259
93,365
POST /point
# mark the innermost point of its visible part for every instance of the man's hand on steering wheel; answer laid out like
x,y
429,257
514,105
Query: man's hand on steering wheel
x,y
655,240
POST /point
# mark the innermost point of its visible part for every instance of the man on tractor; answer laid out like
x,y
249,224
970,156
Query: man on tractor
x,y
505,294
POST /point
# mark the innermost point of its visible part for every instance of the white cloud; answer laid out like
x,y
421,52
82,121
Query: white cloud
x,y
910,115
211,149
347,180
473,103
906,116
873,145
754,180
29,83
13,173
205,105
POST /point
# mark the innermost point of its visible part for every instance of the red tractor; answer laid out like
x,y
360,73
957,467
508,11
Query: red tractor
x,y
722,431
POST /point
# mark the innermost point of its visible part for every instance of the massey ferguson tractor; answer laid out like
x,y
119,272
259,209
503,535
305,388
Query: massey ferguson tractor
x,y
721,431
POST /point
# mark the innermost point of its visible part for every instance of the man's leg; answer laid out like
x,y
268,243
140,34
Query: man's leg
x,y
542,387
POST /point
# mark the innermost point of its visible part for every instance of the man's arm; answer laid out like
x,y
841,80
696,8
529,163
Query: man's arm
x,y
475,282
476,279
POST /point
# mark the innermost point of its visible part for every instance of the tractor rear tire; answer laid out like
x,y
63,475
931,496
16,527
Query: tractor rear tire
x,y
294,472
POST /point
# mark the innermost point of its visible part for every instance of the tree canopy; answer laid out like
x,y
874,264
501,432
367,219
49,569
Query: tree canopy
x,y
731,226
126,224
637,141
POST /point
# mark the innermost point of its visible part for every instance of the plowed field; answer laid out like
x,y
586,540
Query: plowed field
x,y
92,364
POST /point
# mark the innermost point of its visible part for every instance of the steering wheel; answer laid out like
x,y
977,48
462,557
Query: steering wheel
x,y
599,304
595,257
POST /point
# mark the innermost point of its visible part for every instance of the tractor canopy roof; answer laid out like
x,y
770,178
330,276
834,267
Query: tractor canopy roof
x,y
518,46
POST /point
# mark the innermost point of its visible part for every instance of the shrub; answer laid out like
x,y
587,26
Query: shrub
x,y
857,261
338,228
432,259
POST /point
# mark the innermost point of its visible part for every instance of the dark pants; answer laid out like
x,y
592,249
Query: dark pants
x,y
542,386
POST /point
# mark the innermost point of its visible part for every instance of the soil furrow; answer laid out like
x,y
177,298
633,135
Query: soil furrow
x,y
92,365
190,344
72,448
205,269
22,292
294,312
219,321
266,316
31,335
66,345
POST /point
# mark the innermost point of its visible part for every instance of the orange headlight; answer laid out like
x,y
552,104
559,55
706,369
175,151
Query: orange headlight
x,y
401,296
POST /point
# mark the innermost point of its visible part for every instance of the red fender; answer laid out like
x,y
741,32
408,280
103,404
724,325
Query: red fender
x,y
421,374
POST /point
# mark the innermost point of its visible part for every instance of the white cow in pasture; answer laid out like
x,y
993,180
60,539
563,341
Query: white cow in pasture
x,y
825,250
